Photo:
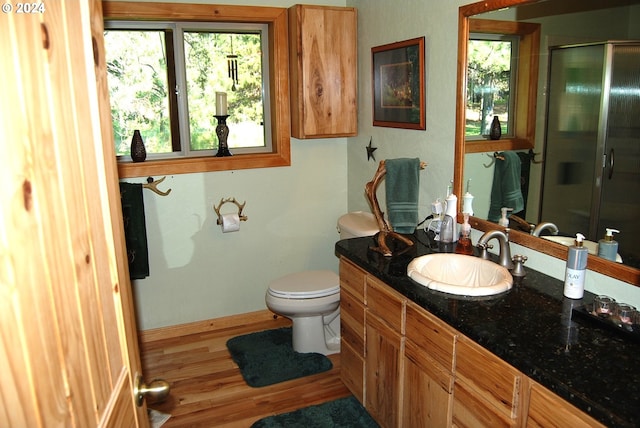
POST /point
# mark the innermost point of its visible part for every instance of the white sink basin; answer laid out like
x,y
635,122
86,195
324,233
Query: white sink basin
x,y
460,275
568,241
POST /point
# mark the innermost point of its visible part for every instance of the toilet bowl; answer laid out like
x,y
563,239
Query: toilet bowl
x,y
311,299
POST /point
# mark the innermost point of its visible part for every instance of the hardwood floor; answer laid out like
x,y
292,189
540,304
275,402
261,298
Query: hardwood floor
x,y
207,389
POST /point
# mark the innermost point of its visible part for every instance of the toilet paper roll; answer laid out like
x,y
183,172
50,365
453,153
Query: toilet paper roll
x,y
230,223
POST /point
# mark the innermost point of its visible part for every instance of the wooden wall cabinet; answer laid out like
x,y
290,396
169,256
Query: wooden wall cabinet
x,y
410,369
323,61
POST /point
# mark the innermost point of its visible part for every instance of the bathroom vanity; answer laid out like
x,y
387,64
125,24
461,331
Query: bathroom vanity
x,y
416,357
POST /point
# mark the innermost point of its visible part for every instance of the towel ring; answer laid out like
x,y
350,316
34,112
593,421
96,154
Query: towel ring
x,y
233,201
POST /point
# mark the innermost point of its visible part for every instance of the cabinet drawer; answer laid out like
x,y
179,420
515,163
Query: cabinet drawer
x,y
547,409
434,337
385,303
470,410
429,366
352,279
495,380
352,321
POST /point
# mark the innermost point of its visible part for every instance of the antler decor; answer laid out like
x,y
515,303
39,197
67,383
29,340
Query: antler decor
x,y
385,228
233,201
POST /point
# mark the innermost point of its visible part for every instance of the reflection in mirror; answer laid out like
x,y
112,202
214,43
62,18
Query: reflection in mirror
x,y
563,167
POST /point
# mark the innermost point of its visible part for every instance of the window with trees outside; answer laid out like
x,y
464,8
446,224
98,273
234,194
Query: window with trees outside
x,y
491,72
163,79
172,101
502,80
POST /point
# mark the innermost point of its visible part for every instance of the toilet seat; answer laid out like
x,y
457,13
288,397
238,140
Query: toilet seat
x,y
306,285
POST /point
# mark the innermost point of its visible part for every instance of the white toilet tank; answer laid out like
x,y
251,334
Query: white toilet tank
x,y
357,224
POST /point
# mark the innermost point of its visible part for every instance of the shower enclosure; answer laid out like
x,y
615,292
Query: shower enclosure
x,y
592,148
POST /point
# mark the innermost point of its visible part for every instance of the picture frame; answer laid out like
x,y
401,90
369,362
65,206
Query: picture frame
x,y
398,84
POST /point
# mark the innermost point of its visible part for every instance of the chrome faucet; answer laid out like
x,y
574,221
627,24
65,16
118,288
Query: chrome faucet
x,y
544,225
504,258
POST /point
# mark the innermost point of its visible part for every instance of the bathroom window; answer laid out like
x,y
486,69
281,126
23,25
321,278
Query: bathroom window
x,y
502,80
163,79
492,69
163,75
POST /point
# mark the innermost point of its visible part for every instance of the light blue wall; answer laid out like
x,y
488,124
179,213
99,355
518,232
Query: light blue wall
x,y
199,273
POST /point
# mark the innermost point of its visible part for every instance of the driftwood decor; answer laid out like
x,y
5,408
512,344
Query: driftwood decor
x,y
386,229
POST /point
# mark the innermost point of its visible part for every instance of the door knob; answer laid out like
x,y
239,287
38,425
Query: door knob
x,y
156,392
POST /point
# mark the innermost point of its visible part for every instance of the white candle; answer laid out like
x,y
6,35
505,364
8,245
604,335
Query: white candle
x,y
221,103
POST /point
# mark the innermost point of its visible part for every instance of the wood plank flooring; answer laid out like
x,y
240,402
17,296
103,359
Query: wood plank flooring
x,y
207,389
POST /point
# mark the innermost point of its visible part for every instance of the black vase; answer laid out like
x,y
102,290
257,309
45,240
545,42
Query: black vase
x,y
138,152
495,132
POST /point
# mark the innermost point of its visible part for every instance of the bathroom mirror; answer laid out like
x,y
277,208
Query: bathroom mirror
x,y
530,11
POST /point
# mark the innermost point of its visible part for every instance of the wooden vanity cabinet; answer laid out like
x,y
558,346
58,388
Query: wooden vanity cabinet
x,y
323,58
411,369
384,349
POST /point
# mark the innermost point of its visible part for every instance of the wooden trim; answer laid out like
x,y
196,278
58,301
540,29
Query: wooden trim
x,y
277,21
179,330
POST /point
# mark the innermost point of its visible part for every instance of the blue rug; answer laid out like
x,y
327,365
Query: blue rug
x,y
342,413
267,357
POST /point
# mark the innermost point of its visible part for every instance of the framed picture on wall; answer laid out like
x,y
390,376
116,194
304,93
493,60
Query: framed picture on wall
x,y
398,84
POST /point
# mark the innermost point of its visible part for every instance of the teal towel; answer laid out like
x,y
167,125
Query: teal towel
x,y
401,186
135,229
506,190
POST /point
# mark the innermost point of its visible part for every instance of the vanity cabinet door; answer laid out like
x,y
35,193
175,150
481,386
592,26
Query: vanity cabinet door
x,y
384,352
323,71
548,410
383,359
428,370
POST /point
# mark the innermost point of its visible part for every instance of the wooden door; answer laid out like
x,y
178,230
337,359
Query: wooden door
x,y
68,347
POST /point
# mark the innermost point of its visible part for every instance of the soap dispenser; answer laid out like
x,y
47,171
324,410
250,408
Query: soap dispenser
x,y
607,247
448,228
464,245
576,269
467,200
504,220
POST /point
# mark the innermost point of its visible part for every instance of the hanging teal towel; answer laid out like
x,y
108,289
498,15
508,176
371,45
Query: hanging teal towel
x,y
506,190
135,229
402,183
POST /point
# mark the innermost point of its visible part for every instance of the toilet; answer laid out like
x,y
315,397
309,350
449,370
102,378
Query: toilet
x,y
311,299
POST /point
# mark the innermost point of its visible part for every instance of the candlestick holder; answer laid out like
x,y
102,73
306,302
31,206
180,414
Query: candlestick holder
x,y
222,131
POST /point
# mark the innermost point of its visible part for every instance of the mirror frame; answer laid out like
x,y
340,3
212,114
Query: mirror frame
x,y
597,264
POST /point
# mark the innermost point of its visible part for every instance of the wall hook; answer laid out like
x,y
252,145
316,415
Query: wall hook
x,y
152,185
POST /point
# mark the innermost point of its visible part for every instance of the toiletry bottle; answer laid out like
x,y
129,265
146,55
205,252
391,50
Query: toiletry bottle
x,y
607,247
448,229
576,269
464,245
467,200
504,220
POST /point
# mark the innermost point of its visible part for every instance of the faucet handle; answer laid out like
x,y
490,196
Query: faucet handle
x,y
484,254
518,268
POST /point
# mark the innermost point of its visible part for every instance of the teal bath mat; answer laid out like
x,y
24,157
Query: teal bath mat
x,y
267,357
342,413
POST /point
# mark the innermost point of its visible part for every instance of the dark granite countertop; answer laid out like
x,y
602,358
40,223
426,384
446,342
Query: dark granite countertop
x,y
533,328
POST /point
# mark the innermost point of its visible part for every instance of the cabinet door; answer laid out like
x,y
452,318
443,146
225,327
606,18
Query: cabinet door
x,y
548,410
384,348
428,390
352,315
323,72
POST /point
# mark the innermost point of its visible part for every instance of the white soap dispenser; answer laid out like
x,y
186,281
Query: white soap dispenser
x,y
607,247
576,269
504,220
448,230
